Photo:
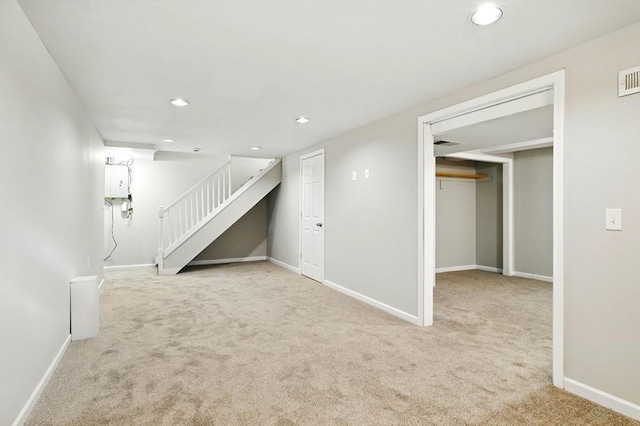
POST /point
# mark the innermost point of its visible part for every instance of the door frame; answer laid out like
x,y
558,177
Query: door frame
x,y
426,193
324,222
508,235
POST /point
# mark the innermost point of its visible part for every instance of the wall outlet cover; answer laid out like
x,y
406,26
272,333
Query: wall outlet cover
x,y
613,219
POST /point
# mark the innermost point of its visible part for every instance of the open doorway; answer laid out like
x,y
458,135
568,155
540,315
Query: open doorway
x,y
544,95
469,215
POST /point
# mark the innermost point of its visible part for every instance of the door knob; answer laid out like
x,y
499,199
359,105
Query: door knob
x,y
319,224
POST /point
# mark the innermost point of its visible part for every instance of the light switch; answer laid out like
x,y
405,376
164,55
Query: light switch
x,y
354,175
613,218
366,173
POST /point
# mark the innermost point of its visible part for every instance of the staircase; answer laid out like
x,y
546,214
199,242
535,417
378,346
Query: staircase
x,y
203,213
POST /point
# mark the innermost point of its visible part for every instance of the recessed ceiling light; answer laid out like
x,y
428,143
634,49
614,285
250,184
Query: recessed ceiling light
x,y
487,14
179,102
302,120
254,148
168,140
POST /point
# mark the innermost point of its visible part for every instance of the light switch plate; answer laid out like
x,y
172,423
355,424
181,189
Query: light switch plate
x,y
366,173
613,219
354,175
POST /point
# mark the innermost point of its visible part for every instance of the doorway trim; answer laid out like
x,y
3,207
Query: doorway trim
x,y
508,235
426,194
300,192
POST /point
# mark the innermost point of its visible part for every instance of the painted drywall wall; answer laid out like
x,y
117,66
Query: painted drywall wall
x,y
371,227
468,215
533,211
244,168
602,313
363,225
489,216
51,183
158,183
455,215
283,215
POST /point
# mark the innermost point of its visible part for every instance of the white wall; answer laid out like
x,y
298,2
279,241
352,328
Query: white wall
x,y
468,215
455,215
370,243
283,218
489,216
602,169
244,168
51,184
158,183
371,227
533,211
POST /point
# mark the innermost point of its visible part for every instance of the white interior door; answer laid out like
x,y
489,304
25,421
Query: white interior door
x,y
312,215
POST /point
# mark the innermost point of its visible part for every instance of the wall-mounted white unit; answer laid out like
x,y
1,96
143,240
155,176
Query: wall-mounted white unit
x,y
84,307
116,181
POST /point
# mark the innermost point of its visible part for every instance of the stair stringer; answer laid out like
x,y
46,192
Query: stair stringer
x,y
179,257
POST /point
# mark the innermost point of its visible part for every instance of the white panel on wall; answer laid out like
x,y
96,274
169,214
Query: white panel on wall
x,y
84,307
116,181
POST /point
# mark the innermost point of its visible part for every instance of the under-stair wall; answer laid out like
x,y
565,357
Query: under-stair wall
x,y
245,240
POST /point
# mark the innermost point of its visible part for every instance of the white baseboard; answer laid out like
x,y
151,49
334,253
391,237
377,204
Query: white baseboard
x,y
533,276
284,265
231,260
361,297
129,267
492,269
455,268
375,303
488,269
468,268
35,395
605,399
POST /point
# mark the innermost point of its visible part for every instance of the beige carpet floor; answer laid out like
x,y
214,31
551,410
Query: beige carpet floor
x,y
254,344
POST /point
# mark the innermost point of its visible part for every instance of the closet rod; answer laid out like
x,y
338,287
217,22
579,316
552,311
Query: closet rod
x,y
460,175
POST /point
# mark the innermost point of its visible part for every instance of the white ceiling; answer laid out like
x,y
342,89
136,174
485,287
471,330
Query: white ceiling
x,y
521,127
250,68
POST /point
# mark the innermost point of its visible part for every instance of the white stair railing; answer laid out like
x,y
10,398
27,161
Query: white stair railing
x,y
183,215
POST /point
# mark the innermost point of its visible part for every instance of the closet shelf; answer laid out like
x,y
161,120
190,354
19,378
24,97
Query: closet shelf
x,y
460,175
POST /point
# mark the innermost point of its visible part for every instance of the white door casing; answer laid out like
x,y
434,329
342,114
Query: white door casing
x,y
312,215
426,195
507,199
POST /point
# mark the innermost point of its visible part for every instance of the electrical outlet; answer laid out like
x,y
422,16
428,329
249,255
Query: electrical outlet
x,y
88,262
